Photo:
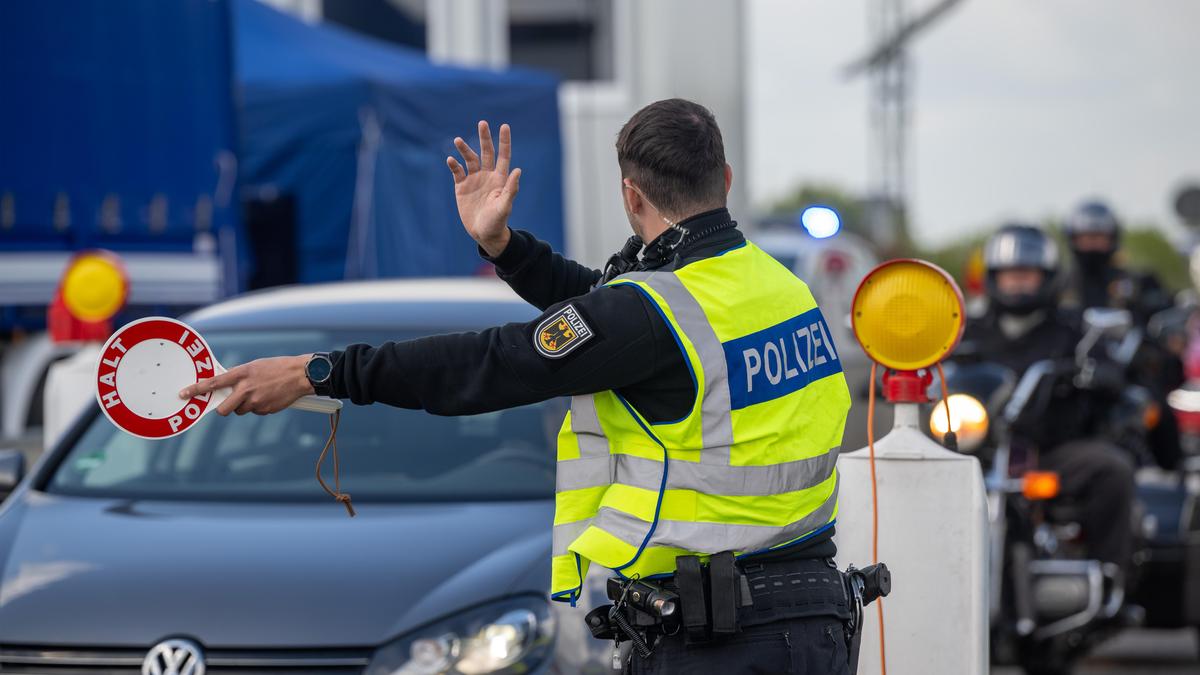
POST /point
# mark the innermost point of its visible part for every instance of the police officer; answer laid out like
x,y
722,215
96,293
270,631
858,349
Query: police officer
x,y
1023,325
707,403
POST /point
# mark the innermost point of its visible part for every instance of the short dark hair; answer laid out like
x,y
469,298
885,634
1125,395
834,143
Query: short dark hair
x,y
672,150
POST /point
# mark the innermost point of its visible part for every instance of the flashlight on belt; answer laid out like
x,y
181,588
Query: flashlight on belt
x,y
657,605
645,597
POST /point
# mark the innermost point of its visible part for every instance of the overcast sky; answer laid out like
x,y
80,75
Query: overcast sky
x,y
1021,107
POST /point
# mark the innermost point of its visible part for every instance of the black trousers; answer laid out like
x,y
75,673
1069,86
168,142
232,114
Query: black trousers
x,y
1098,477
808,646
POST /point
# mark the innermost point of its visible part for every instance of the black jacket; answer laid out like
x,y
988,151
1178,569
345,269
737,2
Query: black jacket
x,y
1139,292
629,348
1154,367
1053,336
1071,413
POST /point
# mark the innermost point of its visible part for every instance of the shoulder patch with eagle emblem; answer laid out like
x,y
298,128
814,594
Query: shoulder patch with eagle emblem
x,y
561,333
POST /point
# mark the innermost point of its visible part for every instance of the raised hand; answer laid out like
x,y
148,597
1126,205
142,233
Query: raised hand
x,y
485,189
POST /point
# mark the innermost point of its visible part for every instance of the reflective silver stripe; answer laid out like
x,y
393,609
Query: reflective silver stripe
x,y
577,474
711,537
717,423
757,481
586,424
594,465
586,472
566,533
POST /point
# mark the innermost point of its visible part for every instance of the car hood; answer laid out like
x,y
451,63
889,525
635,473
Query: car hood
x,y
119,572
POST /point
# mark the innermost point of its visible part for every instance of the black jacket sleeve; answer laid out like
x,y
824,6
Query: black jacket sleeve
x,y
1153,297
501,367
539,275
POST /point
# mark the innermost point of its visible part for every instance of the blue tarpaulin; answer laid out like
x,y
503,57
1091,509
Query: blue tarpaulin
x,y
116,125
381,204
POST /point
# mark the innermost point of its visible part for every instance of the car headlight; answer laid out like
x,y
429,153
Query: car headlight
x,y
968,421
513,636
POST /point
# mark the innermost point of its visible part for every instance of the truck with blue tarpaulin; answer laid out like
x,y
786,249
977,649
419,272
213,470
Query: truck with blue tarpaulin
x,y
164,131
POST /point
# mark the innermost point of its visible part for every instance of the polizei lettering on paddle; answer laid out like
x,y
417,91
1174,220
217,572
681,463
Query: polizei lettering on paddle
x,y
131,373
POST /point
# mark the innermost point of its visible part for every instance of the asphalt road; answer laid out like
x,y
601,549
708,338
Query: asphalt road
x,y
1140,652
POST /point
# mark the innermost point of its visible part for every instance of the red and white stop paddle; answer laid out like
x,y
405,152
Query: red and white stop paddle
x,y
146,363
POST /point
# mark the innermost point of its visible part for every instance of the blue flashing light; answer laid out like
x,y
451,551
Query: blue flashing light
x,y
821,222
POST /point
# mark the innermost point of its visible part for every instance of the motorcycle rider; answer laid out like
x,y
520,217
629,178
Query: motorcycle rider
x,y
1021,325
1093,233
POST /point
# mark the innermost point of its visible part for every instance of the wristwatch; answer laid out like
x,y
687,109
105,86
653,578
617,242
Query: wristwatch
x,y
319,371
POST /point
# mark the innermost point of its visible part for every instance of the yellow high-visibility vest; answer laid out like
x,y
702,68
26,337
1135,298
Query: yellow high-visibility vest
x,y
750,468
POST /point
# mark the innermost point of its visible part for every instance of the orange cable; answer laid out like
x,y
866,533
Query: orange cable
x,y
945,399
875,512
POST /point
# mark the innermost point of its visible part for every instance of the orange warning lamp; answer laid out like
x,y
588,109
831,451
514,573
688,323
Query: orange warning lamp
x,y
1040,485
94,287
908,315
975,273
1151,416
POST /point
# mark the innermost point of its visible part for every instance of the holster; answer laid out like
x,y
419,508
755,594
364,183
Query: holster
x,y
710,596
693,597
863,587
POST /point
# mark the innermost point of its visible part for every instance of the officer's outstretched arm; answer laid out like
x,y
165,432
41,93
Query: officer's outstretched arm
x,y
608,339
601,341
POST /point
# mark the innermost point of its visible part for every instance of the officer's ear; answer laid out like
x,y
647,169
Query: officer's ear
x,y
631,196
728,178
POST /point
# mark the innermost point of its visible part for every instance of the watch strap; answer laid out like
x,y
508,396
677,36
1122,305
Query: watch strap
x,y
325,387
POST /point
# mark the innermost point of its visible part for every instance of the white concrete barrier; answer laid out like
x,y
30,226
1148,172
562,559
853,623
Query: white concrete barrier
x,y
933,536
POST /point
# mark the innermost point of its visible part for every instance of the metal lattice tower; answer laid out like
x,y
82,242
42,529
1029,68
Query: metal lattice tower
x,y
888,107
887,68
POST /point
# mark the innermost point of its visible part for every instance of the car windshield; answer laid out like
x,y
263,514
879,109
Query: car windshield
x,y
387,454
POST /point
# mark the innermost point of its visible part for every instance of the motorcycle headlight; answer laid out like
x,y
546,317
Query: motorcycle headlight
x,y
513,636
968,420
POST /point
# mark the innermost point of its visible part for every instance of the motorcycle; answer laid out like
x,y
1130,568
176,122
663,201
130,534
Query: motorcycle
x,y
1050,603
1170,587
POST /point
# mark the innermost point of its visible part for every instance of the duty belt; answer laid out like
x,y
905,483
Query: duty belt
x,y
715,600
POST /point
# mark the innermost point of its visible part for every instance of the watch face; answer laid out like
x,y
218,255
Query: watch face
x,y
319,369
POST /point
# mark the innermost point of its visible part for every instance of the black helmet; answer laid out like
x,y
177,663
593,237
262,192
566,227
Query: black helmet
x,y
1093,217
1021,246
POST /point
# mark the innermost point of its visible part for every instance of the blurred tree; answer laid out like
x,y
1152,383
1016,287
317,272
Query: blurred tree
x,y
1143,247
953,257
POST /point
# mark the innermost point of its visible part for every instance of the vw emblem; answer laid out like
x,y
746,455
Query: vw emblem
x,y
174,657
